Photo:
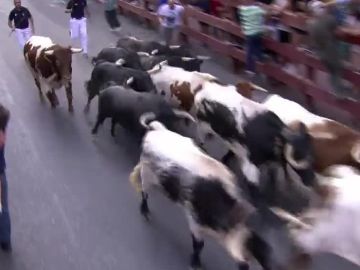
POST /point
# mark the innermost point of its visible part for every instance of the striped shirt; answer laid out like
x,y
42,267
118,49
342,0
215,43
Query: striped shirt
x,y
252,19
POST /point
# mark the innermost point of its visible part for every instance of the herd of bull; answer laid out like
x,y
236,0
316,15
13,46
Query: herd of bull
x,y
286,189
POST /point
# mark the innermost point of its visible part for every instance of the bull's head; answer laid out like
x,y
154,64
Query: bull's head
x,y
61,57
298,152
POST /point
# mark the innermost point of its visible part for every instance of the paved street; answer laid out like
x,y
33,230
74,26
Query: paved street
x,y
71,203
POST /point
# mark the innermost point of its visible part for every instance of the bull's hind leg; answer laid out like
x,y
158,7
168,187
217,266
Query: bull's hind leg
x,y
197,242
69,97
137,180
100,120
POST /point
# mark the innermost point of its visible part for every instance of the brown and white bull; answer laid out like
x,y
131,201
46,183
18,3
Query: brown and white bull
x,y
50,65
177,85
333,142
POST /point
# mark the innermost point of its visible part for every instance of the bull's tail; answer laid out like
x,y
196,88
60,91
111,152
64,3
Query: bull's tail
x,y
87,86
148,121
135,178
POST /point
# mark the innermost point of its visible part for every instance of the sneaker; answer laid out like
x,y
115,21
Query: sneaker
x,y
6,247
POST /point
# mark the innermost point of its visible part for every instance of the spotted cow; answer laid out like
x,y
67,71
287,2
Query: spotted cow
x,y
50,65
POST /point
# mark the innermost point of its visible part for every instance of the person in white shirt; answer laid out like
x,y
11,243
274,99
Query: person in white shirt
x,y
170,17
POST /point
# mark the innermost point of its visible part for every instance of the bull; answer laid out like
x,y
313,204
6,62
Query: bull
x,y
50,66
106,71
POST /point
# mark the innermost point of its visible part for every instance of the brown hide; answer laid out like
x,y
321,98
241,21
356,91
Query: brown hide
x,y
336,149
48,65
183,93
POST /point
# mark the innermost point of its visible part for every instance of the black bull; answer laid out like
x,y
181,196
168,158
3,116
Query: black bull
x,y
106,72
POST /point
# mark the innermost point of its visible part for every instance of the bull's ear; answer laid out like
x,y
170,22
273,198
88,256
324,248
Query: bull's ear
x,y
50,52
245,89
76,50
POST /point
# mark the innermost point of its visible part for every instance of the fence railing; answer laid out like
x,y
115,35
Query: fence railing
x,y
193,30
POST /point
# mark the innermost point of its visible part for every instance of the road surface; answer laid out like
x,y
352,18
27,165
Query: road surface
x,y
71,203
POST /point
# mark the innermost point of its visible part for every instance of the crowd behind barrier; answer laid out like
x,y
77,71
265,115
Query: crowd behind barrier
x,y
200,26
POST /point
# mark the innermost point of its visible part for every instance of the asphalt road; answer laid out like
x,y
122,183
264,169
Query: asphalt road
x,y
71,203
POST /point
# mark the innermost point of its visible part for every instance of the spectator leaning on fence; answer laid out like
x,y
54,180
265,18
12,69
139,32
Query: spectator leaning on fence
x,y
323,35
252,22
170,17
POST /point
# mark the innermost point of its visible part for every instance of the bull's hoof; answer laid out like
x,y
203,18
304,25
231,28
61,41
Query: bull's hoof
x,y
94,131
145,212
71,109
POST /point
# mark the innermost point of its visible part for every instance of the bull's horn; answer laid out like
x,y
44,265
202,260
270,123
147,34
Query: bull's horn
x,y
129,81
184,114
203,57
157,68
120,62
143,54
154,52
145,118
186,59
134,38
288,217
50,52
76,50
254,86
355,152
174,47
289,156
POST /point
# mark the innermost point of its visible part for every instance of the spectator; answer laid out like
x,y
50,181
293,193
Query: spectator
x,y
22,20
252,22
111,15
78,27
170,17
322,32
5,224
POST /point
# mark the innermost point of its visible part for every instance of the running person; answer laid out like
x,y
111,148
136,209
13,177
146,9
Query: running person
x,y
77,9
22,21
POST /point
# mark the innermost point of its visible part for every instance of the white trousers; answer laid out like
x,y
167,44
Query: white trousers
x,y
23,35
78,28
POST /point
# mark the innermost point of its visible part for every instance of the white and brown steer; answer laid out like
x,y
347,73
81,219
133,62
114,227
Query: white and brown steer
x,y
50,65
